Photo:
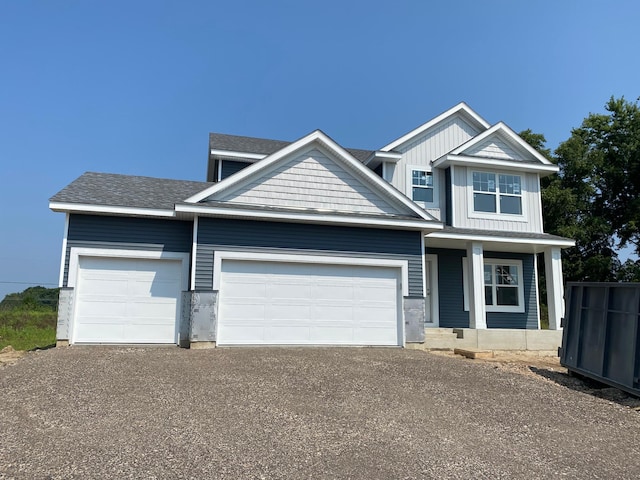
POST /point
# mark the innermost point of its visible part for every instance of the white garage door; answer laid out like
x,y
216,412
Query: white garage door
x,y
269,303
127,300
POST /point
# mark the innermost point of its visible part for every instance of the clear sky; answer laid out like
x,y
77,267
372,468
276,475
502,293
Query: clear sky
x,y
135,86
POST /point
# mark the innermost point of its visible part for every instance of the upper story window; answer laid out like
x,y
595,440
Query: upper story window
x,y
422,186
503,196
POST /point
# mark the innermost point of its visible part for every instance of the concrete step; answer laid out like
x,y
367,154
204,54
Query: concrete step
x,y
440,338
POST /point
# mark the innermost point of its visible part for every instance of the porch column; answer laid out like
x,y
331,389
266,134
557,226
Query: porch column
x,y
477,310
555,286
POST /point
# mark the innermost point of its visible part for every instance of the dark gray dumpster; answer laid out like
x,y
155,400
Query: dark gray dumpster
x,y
601,336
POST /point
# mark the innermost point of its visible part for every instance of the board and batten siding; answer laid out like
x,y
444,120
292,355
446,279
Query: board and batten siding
x,y
428,146
128,233
451,292
462,193
277,237
311,180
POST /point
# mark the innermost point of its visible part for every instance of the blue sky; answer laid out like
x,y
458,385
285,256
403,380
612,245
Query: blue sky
x,y
135,87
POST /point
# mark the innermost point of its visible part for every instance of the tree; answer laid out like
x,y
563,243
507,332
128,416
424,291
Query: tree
x,y
595,198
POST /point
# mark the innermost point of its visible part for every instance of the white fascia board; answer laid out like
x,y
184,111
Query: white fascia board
x,y
461,107
489,238
389,157
324,141
305,217
114,210
238,155
493,163
513,136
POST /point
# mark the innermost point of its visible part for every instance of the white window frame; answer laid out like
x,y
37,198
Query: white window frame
x,y
497,214
409,188
520,308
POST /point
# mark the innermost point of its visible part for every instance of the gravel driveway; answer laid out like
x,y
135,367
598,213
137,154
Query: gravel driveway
x,y
103,412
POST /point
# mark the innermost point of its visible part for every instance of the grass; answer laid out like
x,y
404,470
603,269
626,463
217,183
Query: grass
x,y
27,329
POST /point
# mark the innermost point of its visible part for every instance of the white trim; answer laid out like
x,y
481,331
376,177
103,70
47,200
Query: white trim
x,y
221,255
535,279
505,130
520,308
453,212
487,238
82,207
515,165
219,169
435,295
74,266
423,249
64,250
391,157
384,171
319,138
435,181
194,252
305,217
238,155
539,202
459,108
512,217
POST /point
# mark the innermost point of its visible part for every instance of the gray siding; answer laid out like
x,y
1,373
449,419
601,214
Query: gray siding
x,y
229,167
93,231
451,295
226,234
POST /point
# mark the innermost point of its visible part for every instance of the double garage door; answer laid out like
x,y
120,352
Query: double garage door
x,y
269,303
131,300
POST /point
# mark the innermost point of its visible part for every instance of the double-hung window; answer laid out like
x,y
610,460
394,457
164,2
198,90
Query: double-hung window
x,y
497,193
422,186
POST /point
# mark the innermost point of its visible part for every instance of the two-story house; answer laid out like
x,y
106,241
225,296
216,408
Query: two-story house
x,y
310,243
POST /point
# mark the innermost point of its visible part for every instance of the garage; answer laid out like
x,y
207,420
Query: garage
x,y
127,300
293,303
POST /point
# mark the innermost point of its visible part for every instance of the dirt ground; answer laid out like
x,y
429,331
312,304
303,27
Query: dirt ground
x,y
547,366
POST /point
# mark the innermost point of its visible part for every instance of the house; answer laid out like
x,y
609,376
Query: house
x,y
311,243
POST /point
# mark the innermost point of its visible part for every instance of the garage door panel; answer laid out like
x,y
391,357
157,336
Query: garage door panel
x,y
127,300
308,304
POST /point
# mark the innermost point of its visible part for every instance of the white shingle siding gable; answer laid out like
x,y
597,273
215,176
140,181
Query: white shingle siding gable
x,y
312,180
495,148
463,218
430,145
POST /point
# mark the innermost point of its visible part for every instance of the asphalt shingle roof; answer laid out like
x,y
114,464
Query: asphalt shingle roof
x,y
501,233
128,191
263,146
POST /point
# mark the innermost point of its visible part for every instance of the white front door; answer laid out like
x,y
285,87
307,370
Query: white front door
x,y
127,300
274,303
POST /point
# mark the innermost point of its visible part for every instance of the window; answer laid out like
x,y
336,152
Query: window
x,y
422,185
503,285
505,196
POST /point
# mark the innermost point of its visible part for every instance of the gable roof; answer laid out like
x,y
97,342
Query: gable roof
x,y
100,191
460,109
222,190
497,147
220,143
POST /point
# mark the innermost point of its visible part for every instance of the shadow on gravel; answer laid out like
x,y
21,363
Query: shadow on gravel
x,y
589,386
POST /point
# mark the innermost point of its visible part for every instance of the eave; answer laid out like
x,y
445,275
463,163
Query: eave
x,y
485,162
110,210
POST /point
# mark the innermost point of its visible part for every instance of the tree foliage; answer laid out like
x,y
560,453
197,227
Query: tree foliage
x,y
595,198
32,298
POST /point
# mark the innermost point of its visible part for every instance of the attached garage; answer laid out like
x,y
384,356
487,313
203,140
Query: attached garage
x,y
127,299
300,302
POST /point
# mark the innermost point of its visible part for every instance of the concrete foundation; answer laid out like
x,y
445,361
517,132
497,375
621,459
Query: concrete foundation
x,y
494,339
202,345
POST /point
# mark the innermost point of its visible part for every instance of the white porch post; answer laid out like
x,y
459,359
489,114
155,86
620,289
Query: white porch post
x,y
555,286
477,310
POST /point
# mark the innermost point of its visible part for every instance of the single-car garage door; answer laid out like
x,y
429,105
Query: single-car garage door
x,y
127,300
269,303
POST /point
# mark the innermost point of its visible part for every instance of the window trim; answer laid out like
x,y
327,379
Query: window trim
x,y
520,308
409,187
472,213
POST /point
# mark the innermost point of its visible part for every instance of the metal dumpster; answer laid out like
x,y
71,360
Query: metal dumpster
x,y
601,336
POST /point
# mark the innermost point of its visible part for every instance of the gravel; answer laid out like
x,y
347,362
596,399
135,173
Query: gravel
x,y
366,413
